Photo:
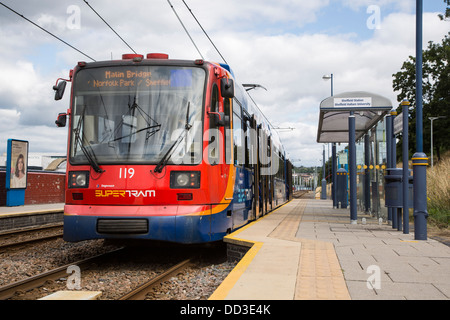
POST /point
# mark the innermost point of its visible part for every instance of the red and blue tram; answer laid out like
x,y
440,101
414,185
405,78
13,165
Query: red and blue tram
x,y
168,150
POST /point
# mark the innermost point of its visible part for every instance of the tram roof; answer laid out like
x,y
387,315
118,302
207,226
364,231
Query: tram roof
x,y
368,108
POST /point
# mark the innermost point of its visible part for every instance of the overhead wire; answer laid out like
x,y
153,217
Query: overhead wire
x,y
187,32
108,25
66,43
204,31
256,105
215,47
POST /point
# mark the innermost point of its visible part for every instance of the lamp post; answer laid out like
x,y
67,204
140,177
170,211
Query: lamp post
x,y
432,119
333,162
328,77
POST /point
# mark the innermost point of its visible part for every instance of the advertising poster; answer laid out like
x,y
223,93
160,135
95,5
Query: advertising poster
x,y
17,164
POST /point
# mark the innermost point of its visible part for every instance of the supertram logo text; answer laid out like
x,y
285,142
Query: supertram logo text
x,y
125,193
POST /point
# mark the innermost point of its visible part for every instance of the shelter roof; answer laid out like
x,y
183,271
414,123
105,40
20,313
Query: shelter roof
x,y
368,109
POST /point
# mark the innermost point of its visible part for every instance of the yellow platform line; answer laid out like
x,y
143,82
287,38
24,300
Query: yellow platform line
x,y
230,281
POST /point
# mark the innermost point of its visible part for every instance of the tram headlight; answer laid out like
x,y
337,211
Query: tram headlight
x,y
185,179
78,179
182,179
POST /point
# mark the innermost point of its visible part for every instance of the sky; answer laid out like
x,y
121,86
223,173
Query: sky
x,y
284,45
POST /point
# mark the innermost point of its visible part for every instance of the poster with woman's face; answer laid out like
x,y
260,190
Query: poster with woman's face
x,y
19,163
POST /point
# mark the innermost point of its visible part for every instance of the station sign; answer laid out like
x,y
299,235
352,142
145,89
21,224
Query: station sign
x,y
398,124
353,102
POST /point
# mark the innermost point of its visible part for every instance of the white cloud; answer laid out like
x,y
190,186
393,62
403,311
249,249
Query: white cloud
x,y
23,89
9,120
400,5
250,34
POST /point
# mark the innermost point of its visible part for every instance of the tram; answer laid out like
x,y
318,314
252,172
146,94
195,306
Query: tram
x,y
168,150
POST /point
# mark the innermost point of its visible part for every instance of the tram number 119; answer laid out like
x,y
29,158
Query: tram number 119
x,y
125,173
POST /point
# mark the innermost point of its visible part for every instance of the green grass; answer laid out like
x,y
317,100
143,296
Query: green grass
x,y
438,192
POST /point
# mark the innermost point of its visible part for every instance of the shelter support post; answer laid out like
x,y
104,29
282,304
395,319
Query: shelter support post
x,y
366,173
405,156
393,165
352,167
334,175
323,195
389,125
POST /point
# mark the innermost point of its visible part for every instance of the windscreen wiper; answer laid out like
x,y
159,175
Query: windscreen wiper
x,y
163,162
149,133
132,108
89,154
91,158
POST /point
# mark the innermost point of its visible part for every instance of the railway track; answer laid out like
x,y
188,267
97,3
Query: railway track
x,y
30,283
300,194
140,292
23,237
129,274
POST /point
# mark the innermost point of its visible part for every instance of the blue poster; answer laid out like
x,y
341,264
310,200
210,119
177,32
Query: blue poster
x,y
16,172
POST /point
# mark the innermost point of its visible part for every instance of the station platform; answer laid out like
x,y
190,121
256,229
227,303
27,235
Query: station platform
x,y
306,250
31,209
18,217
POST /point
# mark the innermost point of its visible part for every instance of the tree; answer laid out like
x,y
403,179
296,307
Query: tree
x,y
436,93
446,16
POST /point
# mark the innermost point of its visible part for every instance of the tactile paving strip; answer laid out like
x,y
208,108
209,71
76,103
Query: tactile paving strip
x,y
319,275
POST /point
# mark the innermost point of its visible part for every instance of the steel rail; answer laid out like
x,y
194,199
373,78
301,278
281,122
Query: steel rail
x,y
24,242
35,281
140,292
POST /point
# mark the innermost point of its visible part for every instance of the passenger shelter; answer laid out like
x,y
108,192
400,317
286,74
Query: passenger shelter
x,y
352,117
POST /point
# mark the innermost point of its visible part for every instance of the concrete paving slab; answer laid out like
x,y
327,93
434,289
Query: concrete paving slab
x,y
73,295
326,257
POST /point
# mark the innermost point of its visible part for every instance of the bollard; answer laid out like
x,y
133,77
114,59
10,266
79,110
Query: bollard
x,y
395,187
420,162
341,188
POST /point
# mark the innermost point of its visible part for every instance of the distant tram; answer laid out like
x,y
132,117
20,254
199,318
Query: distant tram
x,y
167,150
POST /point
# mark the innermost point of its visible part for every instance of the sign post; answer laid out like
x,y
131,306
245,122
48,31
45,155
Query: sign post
x,y
16,172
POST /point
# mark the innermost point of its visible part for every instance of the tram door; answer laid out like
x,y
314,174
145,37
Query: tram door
x,y
254,163
258,181
262,171
270,176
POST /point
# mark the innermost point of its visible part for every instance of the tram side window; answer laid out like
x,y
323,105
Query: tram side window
x,y
280,173
247,141
250,143
213,153
227,110
237,136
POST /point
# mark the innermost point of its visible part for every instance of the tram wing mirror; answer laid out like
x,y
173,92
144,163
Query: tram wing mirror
x,y
61,120
227,88
59,90
219,119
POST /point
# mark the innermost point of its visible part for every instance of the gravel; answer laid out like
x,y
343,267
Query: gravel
x,y
195,283
120,275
